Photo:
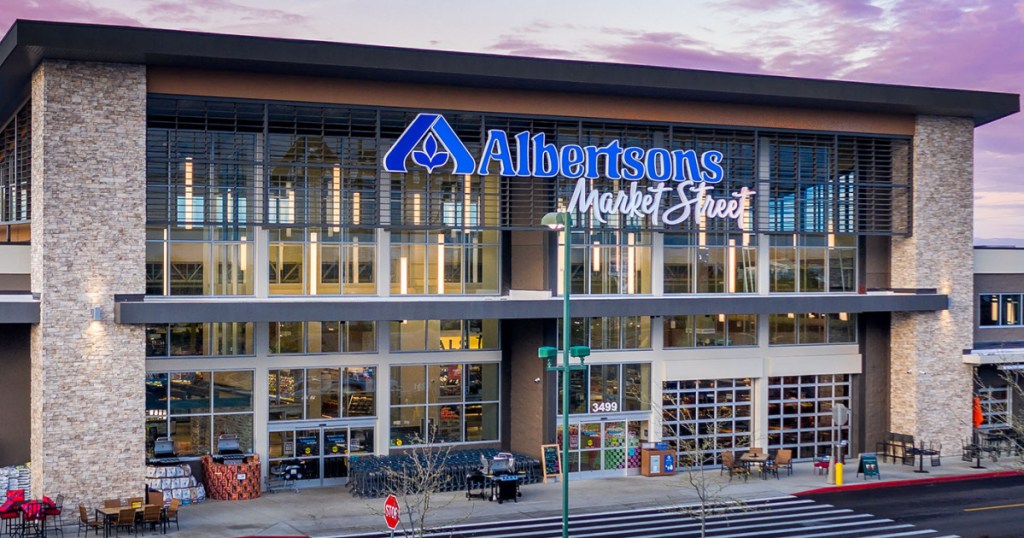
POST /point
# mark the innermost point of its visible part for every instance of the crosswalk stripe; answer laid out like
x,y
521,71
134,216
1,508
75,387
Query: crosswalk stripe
x,y
774,517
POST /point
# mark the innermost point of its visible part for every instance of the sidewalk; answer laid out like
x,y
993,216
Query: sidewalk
x,y
333,511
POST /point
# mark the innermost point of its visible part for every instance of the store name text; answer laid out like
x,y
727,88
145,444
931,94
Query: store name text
x,y
432,143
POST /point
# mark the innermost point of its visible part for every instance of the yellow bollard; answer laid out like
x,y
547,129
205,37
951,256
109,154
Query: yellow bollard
x,y
839,473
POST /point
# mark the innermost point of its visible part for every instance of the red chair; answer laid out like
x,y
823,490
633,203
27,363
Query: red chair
x,y
10,511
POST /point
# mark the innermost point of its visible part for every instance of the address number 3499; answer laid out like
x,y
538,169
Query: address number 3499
x,y
604,407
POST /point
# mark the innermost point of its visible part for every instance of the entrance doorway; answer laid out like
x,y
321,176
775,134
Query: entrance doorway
x,y
321,452
606,448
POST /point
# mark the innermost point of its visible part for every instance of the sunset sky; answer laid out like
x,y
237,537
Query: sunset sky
x,y
969,44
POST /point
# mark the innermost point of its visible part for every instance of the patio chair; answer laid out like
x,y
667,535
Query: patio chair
x,y
171,514
111,503
55,510
155,497
784,459
125,520
85,523
730,464
770,468
151,517
936,454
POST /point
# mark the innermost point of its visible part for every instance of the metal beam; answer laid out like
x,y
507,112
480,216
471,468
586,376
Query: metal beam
x,y
218,310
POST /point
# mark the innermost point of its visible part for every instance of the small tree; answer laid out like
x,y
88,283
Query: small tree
x,y
695,456
419,480
696,453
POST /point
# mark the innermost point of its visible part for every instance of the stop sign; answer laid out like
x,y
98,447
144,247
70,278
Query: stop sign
x,y
391,512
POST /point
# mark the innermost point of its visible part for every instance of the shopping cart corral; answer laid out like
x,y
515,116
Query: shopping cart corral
x,y
376,476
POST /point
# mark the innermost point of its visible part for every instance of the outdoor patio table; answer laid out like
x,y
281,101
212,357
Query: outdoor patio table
x,y
755,459
921,453
109,514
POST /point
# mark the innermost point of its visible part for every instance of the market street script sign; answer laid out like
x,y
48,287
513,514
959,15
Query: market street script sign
x,y
691,176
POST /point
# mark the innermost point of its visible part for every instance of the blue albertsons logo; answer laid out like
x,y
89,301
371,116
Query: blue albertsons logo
x,y
535,157
435,133
431,143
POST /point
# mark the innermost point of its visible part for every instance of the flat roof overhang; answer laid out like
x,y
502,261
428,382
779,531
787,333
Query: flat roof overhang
x,y
30,42
994,357
139,310
19,308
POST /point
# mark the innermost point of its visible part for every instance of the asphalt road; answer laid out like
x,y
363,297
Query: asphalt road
x,y
989,508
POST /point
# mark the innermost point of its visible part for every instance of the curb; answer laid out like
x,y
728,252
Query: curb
x,y
910,482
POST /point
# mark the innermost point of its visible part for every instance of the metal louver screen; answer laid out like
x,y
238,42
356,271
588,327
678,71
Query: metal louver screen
x,y
245,163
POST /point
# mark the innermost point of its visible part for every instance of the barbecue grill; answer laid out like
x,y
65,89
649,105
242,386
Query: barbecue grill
x,y
163,452
228,451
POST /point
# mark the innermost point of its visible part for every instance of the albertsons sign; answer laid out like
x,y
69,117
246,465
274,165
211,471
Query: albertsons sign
x,y
690,176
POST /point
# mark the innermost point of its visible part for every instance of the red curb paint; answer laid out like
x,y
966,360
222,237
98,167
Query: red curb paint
x,y
911,482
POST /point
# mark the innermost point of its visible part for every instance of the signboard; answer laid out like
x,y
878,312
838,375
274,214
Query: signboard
x,y
391,512
840,414
552,460
869,466
683,177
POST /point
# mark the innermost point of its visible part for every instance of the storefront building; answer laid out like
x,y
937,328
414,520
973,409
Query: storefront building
x,y
998,352
332,250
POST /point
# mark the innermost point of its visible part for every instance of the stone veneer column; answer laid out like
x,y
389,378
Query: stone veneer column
x,y
88,243
930,386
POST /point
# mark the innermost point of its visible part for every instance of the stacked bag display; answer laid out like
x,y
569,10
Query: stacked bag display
x,y
15,478
176,482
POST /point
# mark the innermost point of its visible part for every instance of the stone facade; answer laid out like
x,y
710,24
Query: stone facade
x,y
930,386
88,214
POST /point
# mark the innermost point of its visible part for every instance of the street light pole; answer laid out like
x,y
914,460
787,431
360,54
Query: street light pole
x,y
566,282
563,221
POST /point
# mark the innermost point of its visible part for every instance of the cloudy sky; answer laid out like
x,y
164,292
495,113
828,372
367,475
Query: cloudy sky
x,y
970,44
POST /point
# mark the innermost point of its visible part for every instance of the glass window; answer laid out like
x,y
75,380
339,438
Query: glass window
x,y
608,388
322,393
812,328
287,389
636,381
322,337
604,388
193,407
710,330
608,260
445,261
360,390
482,383
630,332
989,314
445,334
232,391
782,329
435,400
679,331
1010,309
782,271
198,339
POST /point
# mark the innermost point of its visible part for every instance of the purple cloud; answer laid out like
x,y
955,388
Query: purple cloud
x,y
676,50
62,10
